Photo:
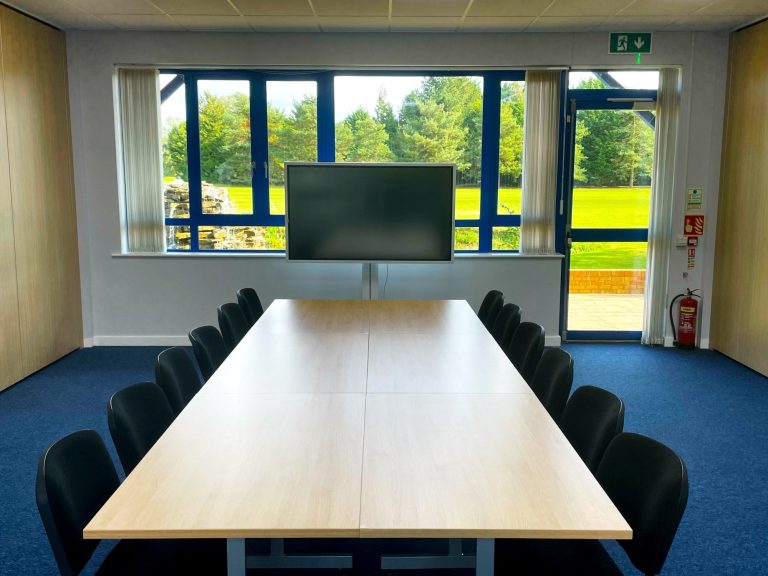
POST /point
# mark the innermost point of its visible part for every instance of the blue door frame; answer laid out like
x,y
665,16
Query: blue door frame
x,y
590,99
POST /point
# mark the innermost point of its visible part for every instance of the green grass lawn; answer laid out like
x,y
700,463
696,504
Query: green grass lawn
x,y
592,208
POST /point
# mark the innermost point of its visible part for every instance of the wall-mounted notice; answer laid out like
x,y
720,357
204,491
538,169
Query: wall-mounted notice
x,y
691,258
694,199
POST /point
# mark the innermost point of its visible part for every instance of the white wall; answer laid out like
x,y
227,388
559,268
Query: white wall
x,y
158,300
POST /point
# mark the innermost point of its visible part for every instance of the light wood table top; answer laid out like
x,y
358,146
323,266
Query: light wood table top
x,y
440,363
424,317
233,466
481,466
295,316
305,362
359,418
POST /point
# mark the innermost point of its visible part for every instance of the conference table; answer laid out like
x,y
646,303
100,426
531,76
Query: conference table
x,y
362,419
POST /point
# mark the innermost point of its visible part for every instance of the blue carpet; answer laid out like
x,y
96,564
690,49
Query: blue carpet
x,y
709,409
712,412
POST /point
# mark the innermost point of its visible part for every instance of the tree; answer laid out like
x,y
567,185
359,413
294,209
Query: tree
x,y
175,150
385,115
431,134
362,139
213,137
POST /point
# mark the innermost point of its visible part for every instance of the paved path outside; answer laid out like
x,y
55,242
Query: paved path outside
x,y
605,311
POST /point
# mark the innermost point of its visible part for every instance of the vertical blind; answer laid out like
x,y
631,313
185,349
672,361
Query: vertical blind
x,y
142,159
662,189
540,146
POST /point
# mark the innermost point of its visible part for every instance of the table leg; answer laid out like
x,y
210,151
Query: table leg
x,y
484,562
235,557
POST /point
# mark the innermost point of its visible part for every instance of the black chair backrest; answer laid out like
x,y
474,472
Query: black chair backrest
x,y
233,324
591,419
176,374
75,477
507,321
490,308
250,304
137,416
648,483
209,349
552,380
525,348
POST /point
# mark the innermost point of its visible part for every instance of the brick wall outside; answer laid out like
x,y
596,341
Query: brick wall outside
x,y
607,281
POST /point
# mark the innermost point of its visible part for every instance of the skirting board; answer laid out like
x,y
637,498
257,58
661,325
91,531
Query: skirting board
x,y
552,341
703,343
137,341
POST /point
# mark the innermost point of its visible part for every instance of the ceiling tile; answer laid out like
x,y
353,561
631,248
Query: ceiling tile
x,y
354,24
214,23
566,24
78,22
513,8
204,7
586,7
663,7
39,7
499,24
736,8
357,8
283,23
709,23
273,7
424,24
429,7
115,6
142,22
635,24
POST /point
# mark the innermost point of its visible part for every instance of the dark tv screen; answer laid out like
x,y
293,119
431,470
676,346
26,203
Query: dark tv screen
x,y
370,212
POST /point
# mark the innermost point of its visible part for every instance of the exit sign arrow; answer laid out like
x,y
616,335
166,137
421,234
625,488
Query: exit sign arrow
x,y
630,43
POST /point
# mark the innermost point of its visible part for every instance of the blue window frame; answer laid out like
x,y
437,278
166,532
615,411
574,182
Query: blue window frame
x,y
489,218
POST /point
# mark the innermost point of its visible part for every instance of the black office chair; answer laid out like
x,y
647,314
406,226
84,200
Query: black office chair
x,y
176,374
233,324
75,477
552,380
137,416
209,349
507,321
591,419
525,349
648,483
490,308
250,305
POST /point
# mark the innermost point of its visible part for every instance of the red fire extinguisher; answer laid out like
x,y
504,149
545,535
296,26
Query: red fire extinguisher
x,y
685,335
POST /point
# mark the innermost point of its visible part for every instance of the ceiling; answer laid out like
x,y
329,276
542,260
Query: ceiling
x,y
396,15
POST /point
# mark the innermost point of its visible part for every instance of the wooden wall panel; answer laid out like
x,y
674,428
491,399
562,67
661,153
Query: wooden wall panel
x,y
42,189
740,293
10,357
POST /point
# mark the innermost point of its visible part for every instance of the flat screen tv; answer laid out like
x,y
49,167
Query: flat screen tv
x,y
369,212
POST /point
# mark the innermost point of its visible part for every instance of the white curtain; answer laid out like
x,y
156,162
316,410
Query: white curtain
x,y
142,159
662,190
540,145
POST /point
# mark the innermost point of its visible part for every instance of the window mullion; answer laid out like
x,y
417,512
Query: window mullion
x,y
259,149
193,160
489,172
326,128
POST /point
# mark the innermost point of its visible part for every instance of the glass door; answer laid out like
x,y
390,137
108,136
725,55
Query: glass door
x,y
612,145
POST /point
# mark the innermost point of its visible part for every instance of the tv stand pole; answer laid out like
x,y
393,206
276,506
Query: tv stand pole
x,y
370,281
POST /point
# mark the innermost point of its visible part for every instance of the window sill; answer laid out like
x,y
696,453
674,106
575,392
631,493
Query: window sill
x,y
281,255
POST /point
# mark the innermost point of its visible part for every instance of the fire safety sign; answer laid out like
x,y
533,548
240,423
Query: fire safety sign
x,y
693,225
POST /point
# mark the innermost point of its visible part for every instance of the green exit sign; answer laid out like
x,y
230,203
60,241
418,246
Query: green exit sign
x,y
630,43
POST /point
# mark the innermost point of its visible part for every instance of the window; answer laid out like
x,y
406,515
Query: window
x,y
228,134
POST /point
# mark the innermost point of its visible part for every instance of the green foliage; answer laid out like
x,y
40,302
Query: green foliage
x,y
360,138
175,151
